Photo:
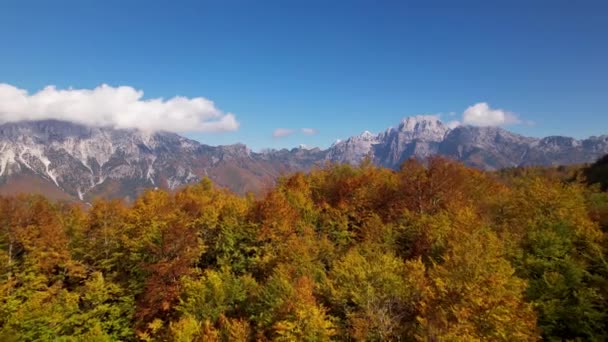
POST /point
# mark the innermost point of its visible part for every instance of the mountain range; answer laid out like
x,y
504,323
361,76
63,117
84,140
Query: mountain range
x,y
71,161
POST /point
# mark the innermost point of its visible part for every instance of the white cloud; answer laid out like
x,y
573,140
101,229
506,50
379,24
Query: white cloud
x,y
480,114
282,132
120,107
453,124
309,131
285,132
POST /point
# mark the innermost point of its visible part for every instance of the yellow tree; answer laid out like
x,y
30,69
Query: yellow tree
x,y
472,291
164,247
286,309
376,293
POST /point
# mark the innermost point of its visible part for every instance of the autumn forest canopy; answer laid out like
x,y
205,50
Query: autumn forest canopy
x,y
433,252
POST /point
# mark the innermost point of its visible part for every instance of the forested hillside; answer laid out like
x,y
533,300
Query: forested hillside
x,y
433,252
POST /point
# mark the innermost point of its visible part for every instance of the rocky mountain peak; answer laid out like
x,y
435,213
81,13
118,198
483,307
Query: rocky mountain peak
x,y
411,123
367,135
422,127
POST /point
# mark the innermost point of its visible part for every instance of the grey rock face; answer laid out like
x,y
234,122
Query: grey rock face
x,y
486,147
417,137
77,158
353,149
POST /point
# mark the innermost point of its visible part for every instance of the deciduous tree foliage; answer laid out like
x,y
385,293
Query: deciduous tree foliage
x,y
433,252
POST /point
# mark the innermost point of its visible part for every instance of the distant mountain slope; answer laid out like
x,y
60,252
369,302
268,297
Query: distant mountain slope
x,y
85,162
482,147
67,160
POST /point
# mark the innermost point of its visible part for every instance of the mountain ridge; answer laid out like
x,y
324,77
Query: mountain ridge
x,y
85,162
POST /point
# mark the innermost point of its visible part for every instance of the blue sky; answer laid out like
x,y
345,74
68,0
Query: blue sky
x,y
338,67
